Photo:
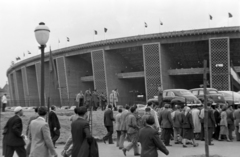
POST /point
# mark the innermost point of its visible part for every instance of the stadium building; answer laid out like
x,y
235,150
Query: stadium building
x,y
134,65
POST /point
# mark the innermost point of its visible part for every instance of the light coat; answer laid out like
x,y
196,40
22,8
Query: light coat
x,y
118,122
40,140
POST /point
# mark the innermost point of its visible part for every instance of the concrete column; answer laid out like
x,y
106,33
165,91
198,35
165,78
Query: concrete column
x,y
219,63
10,83
62,80
99,71
20,90
76,67
152,68
38,76
25,85
32,86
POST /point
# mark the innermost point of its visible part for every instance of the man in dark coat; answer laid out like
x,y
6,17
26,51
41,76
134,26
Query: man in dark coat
x,y
150,141
230,121
211,123
80,132
108,123
166,124
13,137
54,125
160,97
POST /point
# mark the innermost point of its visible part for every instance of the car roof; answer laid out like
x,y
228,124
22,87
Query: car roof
x,y
175,90
203,88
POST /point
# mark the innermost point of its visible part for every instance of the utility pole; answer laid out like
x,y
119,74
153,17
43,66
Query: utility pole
x,y
205,108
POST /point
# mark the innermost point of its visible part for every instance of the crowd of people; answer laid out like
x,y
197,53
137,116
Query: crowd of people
x,y
42,134
96,99
155,129
184,125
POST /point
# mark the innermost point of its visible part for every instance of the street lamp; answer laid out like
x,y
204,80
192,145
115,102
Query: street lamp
x,y
42,36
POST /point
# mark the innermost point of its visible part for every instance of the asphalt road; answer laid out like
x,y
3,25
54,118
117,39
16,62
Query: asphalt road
x,y
225,149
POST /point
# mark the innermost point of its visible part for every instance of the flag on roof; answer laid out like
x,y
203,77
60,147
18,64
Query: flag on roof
x,y
210,16
68,39
29,52
161,23
230,15
105,30
145,24
95,32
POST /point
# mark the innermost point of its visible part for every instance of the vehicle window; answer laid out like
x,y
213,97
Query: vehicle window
x,y
185,92
164,94
170,94
195,92
201,92
212,92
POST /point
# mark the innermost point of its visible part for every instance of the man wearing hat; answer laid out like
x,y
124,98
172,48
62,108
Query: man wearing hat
x,y
108,123
13,137
150,141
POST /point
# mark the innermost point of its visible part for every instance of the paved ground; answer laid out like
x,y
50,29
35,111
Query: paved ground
x,y
225,149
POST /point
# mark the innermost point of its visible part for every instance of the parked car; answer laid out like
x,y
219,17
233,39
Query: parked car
x,y
212,95
177,96
231,97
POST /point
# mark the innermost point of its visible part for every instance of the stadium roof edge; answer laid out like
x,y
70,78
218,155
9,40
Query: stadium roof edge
x,y
162,35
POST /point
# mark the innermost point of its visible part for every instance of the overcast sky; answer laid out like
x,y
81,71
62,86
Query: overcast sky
x,y
77,19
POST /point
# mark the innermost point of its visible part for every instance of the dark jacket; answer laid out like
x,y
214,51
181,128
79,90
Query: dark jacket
x,y
165,119
53,121
108,118
187,121
150,142
13,131
177,119
80,132
230,119
89,149
211,119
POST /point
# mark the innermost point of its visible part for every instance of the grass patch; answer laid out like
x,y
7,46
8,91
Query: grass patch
x,y
98,128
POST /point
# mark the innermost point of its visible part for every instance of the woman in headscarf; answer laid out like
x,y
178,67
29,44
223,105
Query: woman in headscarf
x,y
223,124
188,127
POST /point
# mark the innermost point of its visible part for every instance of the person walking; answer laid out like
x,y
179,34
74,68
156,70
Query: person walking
x,y
95,100
236,116
188,127
54,125
80,132
230,121
150,141
39,136
13,137
160,97
217,116
196,121
115,99
166,124
211,123
28,125
80,99
4,102
87,98
177,124
132,131
108,123
201,117
145,116
102,100
223,124
154,114
123,126
118,125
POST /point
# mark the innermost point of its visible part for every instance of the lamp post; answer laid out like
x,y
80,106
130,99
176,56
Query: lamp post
x,y
42,36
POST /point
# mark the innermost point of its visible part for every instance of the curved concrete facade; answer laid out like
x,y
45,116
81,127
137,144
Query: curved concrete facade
x,y
135,65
